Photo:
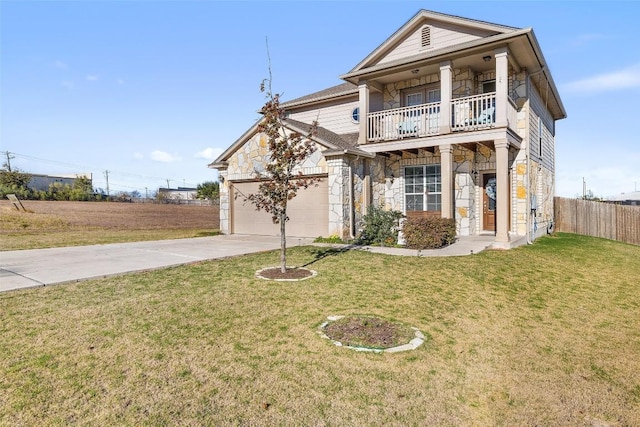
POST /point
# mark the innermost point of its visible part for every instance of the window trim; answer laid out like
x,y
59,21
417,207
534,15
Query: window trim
x,y
426,205
483,82
540,134
355,113
424,90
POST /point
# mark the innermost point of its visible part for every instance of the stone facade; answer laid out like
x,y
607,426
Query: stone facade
x,y
248,163
339,203
511,144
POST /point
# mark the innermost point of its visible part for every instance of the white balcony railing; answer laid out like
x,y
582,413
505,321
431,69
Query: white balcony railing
x,y
416,121
467,114
473,112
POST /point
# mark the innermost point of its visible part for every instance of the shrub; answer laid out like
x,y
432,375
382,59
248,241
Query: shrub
x,y
380,227
429,233
331,239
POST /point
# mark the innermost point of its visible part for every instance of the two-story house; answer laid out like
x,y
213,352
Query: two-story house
x,y
449,116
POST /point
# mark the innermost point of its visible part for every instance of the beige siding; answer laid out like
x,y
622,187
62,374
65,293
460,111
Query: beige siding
x,y
538,110
335,117
442,35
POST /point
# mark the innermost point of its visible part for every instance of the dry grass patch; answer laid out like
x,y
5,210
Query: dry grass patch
x,y
55,224
547,334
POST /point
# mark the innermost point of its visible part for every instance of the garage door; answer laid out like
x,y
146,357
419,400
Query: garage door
x,y
308,212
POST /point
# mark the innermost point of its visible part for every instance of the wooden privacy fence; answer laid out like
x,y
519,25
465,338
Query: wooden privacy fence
x,y
598,219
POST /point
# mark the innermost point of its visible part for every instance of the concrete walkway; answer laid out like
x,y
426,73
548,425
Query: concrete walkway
x,y
43,267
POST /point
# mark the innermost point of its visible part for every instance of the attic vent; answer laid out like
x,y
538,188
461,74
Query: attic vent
x,y
426,36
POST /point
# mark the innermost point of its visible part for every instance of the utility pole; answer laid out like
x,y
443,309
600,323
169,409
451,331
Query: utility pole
x,y
584,189
168,187
106,176
146,192
9,157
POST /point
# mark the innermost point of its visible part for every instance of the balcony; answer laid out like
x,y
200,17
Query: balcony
x,y
467,114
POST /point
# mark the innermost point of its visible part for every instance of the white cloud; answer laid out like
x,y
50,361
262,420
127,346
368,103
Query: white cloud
x,y
67,83
209,153
138,156
626,78
164,157
120,81
60,65
91,77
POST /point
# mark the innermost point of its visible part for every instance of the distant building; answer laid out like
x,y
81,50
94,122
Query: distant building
x,y
632,198
180,193
42,182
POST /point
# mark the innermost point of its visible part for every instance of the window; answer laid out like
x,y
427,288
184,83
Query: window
x,y
540,137
422,188
355,115
488,86
421,95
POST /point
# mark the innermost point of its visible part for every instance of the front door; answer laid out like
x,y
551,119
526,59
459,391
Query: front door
x,y
489,202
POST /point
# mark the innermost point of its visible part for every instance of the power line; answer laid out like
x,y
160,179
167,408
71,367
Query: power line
x,y
85,167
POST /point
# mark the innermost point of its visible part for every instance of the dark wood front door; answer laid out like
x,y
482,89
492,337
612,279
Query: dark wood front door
x,y
489,202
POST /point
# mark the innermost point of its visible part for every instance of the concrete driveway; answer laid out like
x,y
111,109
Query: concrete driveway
x,y
43,267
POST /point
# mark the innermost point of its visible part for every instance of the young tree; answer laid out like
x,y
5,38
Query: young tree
x,y
287,149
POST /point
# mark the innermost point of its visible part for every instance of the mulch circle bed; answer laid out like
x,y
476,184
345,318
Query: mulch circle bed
x,y
366,333
292,274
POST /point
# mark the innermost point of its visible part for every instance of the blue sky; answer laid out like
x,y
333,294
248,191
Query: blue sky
x,y
154,90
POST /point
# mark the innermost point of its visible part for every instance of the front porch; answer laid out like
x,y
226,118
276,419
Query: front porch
x,y
464,162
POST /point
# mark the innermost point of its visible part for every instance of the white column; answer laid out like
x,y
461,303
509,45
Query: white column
x,y
502,191
446,167
446,86
502,86
363,105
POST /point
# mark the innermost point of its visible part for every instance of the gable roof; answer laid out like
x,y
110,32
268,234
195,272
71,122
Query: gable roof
x,y
421,18
522,42
335,144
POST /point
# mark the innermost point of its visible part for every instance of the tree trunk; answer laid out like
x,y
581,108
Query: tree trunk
x,y
283,244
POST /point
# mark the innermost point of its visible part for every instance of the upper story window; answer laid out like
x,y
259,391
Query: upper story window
x,y
421,95
355,115
540,133
488,86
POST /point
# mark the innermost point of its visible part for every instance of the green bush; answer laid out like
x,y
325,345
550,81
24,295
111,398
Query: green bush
x,y
380,227
331,239
429,233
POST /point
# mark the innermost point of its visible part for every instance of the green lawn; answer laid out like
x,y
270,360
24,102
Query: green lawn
x,y
547,334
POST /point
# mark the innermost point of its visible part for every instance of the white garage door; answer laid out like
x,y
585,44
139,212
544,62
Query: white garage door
x,y
308,212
